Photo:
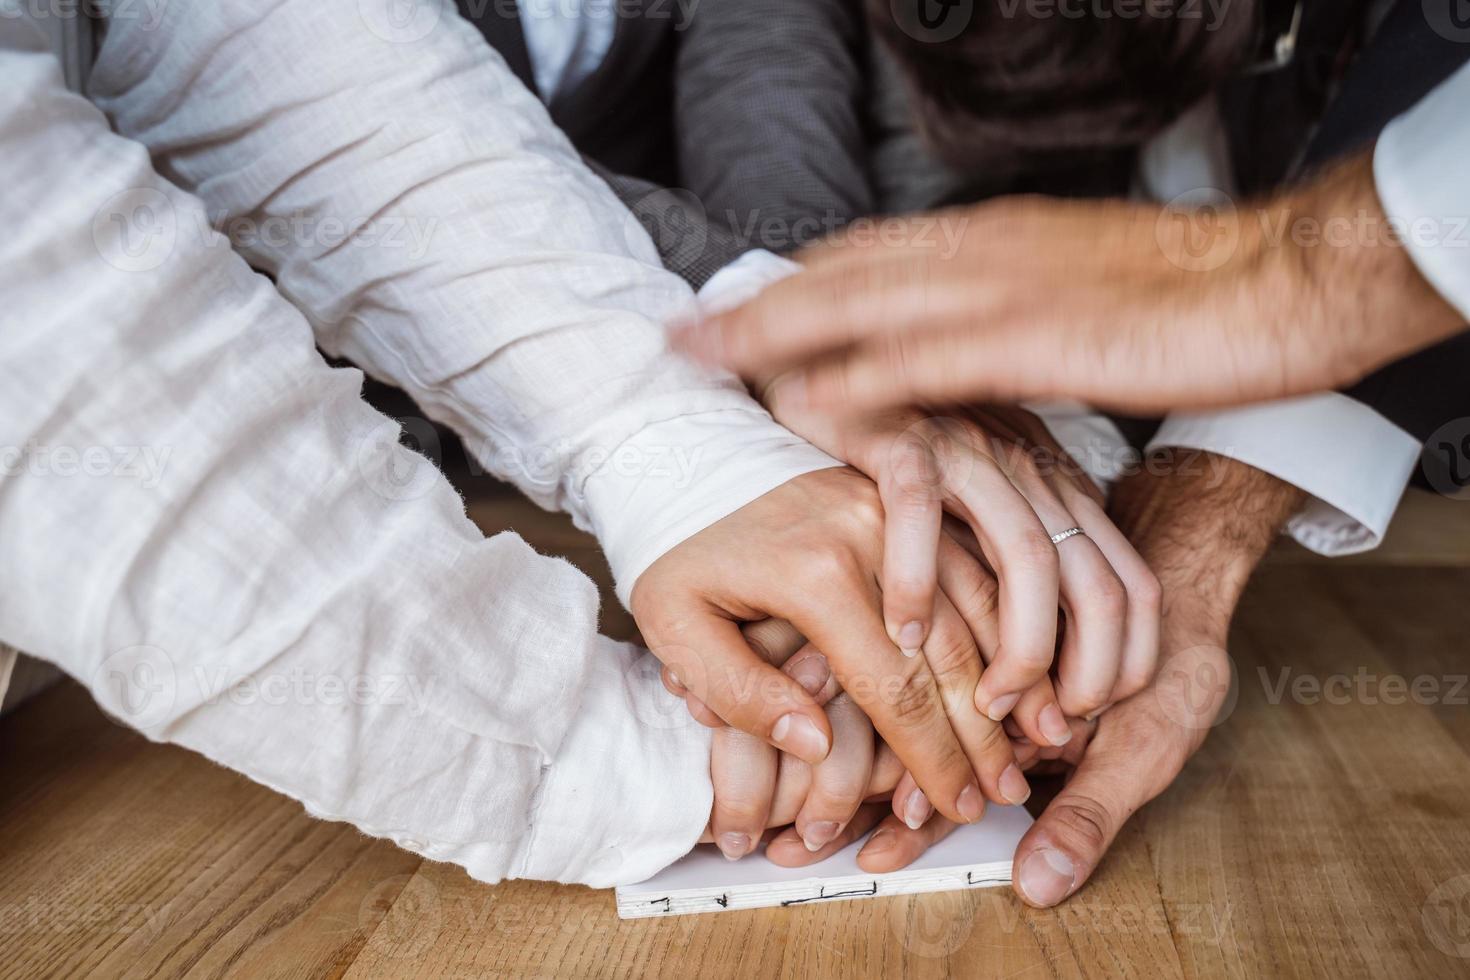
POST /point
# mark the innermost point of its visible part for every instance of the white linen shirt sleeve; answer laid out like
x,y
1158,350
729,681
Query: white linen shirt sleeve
x,y
1419,166
491,275
206,525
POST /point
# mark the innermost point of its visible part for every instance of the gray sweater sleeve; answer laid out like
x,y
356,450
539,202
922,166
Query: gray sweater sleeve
x,y
769,99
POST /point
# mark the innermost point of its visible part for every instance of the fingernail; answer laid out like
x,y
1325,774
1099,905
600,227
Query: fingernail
x,y
1013,785
1001,707
674,679
910,637
970,804
882,841
734,846
1093,716
1047,876
1053,725
916,810
818,835
812,673
796,734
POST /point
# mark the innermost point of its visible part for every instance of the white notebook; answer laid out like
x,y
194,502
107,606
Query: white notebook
x,y
975,856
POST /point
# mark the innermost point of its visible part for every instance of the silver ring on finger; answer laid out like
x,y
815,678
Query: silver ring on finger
x,y
1070,532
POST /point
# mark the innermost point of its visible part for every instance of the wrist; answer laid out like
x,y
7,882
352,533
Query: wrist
x,y
676,478
1354,275
1202,529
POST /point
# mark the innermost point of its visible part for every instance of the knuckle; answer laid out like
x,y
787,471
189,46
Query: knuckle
x,y
913,699
760,645
867,510
1105,596
950,653
836,790
1146,593
978,595
1085,822
738,805
912,492
1019,460
1032,658
1028,672
911,462
906,598
1080,702
992,743
663,623
906,584
827,563
774,640
1131,682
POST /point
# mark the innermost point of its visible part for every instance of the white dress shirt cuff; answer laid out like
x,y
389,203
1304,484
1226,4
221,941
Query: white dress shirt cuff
x,y
1351,460
1419,167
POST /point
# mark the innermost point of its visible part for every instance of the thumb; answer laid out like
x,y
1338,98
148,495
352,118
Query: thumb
x,y
1124,767
1140,746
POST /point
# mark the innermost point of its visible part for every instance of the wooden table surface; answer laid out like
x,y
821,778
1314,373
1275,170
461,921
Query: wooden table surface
x,y
1307,839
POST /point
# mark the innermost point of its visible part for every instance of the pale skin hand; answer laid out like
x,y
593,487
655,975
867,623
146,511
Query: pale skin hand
x,y
744,769
756,788
1130,307
999,471
809,553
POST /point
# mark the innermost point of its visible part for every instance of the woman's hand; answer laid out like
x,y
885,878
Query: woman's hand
x,y
823,808
810,552
896,841
1000,473
756,787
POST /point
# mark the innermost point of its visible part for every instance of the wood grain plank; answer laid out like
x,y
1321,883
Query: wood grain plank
x,y
1308,838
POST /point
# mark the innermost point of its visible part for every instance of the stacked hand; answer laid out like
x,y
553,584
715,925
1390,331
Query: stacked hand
x,y
923,467
1134,307
1120,761
808,553
1008,488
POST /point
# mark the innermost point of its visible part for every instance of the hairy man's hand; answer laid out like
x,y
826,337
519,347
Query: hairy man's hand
x,y
1203,541
1129,306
